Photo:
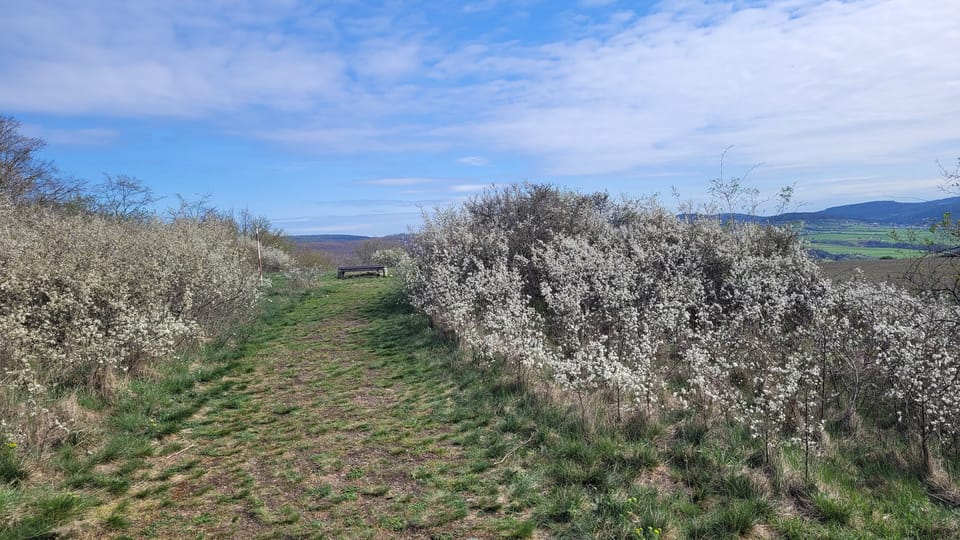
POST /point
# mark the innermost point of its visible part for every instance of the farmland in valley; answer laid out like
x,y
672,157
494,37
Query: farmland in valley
x,y
869,241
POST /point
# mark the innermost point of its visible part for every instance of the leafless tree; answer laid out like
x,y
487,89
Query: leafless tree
x,y
951,179
938,270
124,197
24,177
732,193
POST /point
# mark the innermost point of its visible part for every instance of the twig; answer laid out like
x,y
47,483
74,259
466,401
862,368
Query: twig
x,y
521,445
177,453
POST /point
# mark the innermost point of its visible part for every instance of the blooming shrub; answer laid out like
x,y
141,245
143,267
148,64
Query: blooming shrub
x,y
274,259
86,299
394,257
735,319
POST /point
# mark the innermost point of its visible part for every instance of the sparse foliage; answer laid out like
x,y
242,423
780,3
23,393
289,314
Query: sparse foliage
x,y
951,179
124,197
24,177
938,271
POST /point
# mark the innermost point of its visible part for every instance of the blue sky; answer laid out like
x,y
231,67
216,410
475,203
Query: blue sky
x,y
349,116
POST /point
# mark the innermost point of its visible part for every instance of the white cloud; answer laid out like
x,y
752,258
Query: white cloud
x,y
398,181
799,82
360,224
79,136
792,83
350,140
465,188
387,60
482,5
596,3
843,190
179,59
474,161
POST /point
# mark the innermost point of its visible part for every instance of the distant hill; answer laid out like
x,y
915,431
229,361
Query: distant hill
x,y
344,246
332,237
339,245
882,212
873,212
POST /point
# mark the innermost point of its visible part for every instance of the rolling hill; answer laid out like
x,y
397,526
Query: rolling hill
x,y
334,244
911,214
345,246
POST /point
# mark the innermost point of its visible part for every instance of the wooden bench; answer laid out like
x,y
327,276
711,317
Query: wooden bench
x,y
362,270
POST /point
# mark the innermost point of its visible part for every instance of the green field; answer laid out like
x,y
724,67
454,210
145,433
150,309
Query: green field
x,y
866,252
342,414
857,240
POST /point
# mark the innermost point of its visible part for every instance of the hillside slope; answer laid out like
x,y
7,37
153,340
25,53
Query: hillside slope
x,y
334,244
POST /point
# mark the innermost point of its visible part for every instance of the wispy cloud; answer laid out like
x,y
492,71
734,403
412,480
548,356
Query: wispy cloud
x,y
379,205
858,189
465,188
797,84
482,5
474,161
833,82
596,3
387,60
398,181
79,136
351,140
362,224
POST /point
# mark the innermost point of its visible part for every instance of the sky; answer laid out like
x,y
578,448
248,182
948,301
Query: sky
x,y
355,117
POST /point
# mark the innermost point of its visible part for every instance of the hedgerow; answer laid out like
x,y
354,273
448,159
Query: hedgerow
x,y
623,302
86,301
95,286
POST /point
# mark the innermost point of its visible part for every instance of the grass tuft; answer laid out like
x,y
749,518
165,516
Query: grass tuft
x,y
11,466
831,510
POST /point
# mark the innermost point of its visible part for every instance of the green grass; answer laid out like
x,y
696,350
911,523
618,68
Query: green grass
x,y
11,466
867,252
341,413
43,513
860,240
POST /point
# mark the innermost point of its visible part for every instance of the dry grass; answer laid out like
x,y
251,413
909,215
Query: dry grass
x,y
894,271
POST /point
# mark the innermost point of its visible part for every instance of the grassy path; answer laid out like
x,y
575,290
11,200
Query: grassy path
x,y
337,426
341,414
